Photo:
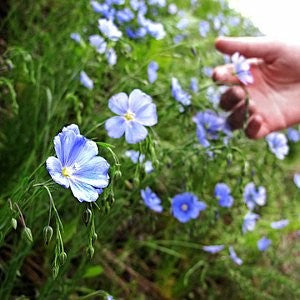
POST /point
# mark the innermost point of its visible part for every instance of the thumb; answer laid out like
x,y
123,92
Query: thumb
x,y
259,47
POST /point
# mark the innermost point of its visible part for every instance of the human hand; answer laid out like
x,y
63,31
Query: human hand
x,y
275,93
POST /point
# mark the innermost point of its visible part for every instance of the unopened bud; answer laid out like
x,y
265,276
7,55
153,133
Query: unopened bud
x,y
48,233
87,216
95,237
28,234
14,223
62,257
91,251
118,174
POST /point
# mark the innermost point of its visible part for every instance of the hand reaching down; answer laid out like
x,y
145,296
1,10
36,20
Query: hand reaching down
x,y
275,92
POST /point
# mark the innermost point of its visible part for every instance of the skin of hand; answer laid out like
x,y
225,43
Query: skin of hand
x,y
275,93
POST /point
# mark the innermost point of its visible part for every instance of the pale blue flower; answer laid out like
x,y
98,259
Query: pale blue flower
x,y
293,135
207,71
151,200
152,71
179,38
136,34
234,256
263,244
203,28
280,224
156,30
160,3
182,24
86,80
76,37
125,15
138,5
98,43
254,195
172,9
194,85
250,220
100,8
78,165
242,68
179,94
109,29
297,180
213,248
135,156
186,206
278,144
148,166
135,112
223,193
111,56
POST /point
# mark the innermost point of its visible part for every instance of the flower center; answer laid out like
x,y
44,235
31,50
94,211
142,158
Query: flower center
x,y
67,172
184,207
129,116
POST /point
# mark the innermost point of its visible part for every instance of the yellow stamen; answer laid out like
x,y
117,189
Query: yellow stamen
x,y
66,172
129,116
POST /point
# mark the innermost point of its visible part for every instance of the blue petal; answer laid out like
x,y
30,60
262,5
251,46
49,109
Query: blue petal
x,y
54,168
115,127
72,127
138,99
93,172
135,132
83,191
146,115
118,104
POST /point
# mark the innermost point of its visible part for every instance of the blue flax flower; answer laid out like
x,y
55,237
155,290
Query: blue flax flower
x,y
135,156
186,206
151,200
293,135
222,192
242,68
194,86
250,220
98,43
75,37
179,94
297,180
86,80
109,29
280,224
263,244
213,248
172,9
148,166
182,24
254,195
203,28
78,165
278,144
124,16
234,256
111,56
135,112
152,71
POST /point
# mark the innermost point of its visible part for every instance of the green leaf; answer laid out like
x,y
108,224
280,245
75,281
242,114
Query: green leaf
x,y
93,271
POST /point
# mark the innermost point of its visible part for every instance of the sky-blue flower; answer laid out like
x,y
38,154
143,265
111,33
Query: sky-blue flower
x,y
263,244
125,15
152,71
278,144
242,68
151,200
135,156
280,224
172,9
297,180
78,165
293,135
135,112
75,37
250,220
111,56
109,29
194,85
234,256
86,80
222,192
186,206
98,43
254,195
213,248
179,94
203,28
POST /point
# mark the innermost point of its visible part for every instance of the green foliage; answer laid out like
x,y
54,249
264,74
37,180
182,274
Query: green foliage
x,y
117,245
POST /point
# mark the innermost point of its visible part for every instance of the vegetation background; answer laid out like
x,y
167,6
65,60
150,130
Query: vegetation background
x,y
139,254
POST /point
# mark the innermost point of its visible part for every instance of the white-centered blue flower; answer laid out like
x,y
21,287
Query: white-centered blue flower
x,y
135,112
242,68
278,144
98,43
78,165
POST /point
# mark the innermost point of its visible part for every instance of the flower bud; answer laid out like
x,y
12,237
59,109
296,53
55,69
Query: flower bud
x,y
95,237
91,251
14,223
62,257
28,234
48,233
118,174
